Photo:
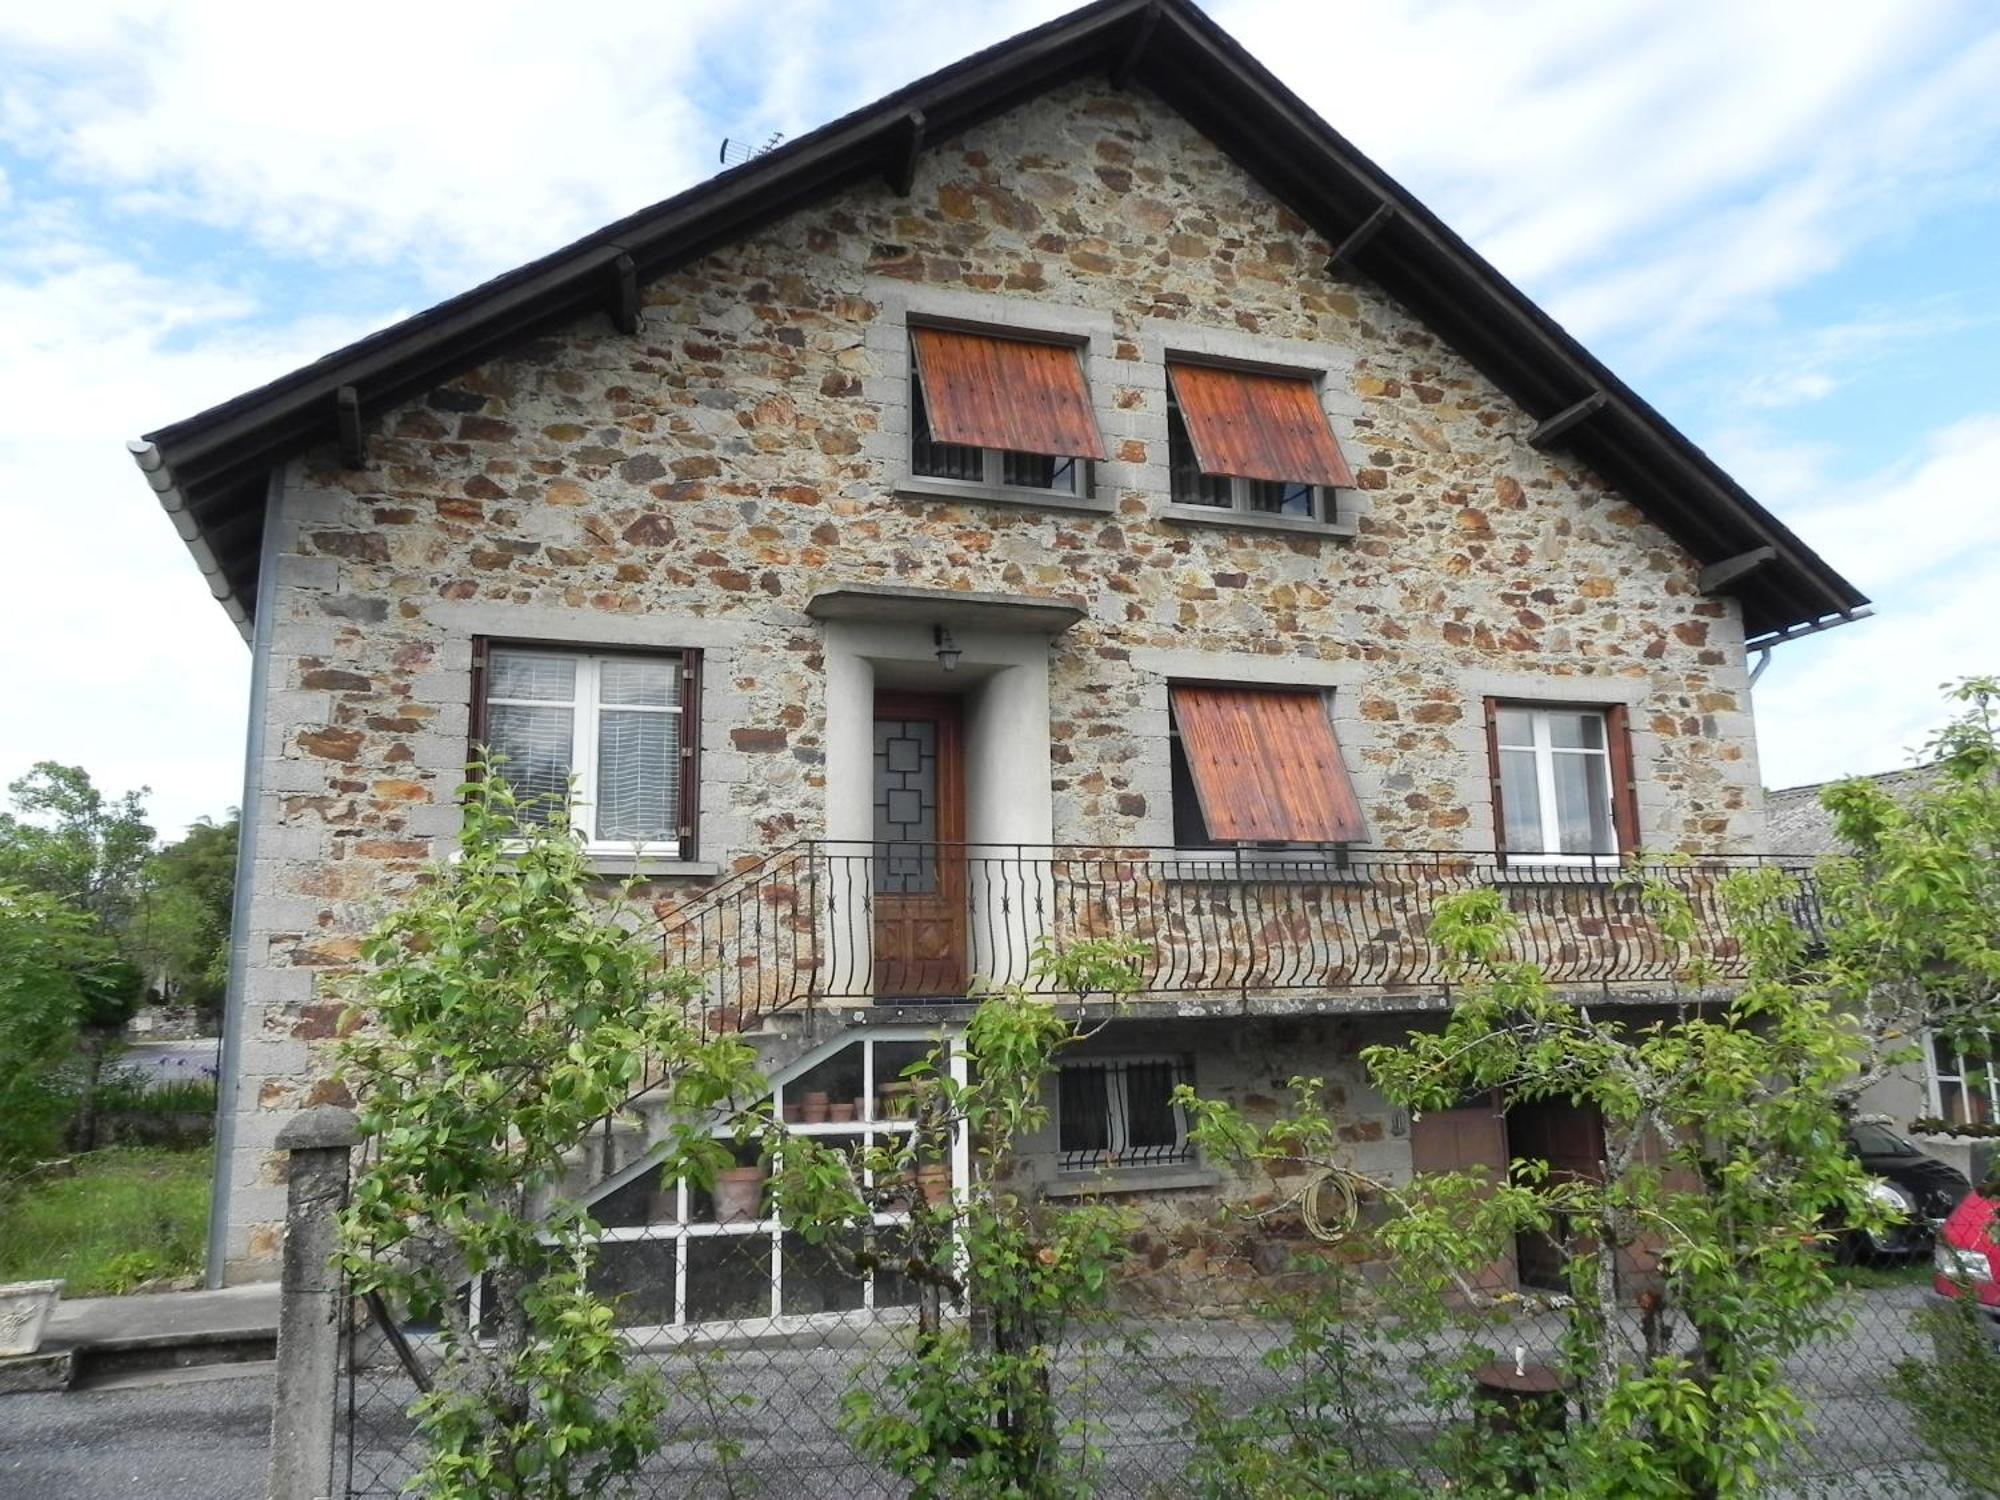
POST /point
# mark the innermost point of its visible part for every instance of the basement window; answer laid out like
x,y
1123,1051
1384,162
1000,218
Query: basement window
x,y
1121,1113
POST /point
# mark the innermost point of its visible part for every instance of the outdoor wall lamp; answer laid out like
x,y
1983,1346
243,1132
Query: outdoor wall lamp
x,y
947,648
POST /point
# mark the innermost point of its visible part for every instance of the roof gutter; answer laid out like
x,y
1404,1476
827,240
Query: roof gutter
x,y
153,464
1813,627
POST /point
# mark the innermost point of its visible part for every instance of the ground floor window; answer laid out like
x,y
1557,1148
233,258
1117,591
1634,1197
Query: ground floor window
x,y
1965,1086
678,1256
1121,1113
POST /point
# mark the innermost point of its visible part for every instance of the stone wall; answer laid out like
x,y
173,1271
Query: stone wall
x,y
696,484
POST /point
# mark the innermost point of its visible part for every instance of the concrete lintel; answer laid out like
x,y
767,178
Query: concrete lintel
x,y
897,604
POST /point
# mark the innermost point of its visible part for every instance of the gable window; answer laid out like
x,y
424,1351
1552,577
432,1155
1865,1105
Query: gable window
x,y
1121,1114
1561,783
1257,766
1248,441
1965,1087
1000,413
602,736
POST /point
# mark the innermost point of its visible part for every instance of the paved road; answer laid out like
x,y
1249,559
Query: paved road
x,y
202,1439
171,1062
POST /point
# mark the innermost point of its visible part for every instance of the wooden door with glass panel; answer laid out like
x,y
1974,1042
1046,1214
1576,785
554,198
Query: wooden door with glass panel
x,y
918,875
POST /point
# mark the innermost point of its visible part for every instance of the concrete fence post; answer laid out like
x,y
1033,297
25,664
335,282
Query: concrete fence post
x,y
309,1308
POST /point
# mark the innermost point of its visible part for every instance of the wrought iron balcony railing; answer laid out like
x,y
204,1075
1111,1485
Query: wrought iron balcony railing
x,y
847,922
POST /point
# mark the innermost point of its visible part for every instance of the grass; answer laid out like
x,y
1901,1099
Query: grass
x,y
1913,1272
130,1214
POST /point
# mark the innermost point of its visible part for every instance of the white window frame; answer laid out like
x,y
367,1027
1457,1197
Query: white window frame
x,y
992,460
1119,1117
1968,1078
681,1230
1545,751
584,709
1325,500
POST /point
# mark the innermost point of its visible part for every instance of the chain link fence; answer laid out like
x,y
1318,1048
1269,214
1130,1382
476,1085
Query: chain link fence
x,y
767,1344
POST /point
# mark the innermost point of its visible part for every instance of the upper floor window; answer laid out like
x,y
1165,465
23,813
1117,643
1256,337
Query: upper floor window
x,y
604,736
1249,441
1562,782
1965,1086
1257,766
1003,413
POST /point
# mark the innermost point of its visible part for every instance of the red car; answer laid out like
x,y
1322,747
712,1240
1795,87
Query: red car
x,y
1966,1252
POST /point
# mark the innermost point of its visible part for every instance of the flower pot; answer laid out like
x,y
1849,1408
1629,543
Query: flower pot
x,y
860,1106
934,1182
813,1108
841,1113
896,1101
24,1312
739,1194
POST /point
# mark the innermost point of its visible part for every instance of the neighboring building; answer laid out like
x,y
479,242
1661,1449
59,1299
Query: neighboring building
x,y
1081,472
1946,1086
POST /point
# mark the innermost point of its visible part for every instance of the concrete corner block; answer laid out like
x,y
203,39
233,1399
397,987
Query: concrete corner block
x,y
324,1128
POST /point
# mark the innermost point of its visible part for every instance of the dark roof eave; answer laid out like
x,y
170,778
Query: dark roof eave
x,y
216,461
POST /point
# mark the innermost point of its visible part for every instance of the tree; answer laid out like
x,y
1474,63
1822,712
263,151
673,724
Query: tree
x,y
180,930
46,948
67,839
1911,909
505,1012
975,1409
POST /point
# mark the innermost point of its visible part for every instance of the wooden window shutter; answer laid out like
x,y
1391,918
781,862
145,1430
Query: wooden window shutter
x,y
475,717
1624,783
1266,766
1011,394
690,809
1255,426
1490,708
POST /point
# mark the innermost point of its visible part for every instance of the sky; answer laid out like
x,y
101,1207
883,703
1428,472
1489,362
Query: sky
x,y
1777,221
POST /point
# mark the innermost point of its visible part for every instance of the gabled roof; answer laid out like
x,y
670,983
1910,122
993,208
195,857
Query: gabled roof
x,y
211,470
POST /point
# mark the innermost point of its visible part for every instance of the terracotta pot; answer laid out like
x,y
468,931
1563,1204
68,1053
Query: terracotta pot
x,y
841,1113
24,1311
896,1101
860,1106
935,1184
813,1108
739,1194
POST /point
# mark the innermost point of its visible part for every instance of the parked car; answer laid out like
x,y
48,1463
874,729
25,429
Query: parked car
x,y
1966,1257
1919,1189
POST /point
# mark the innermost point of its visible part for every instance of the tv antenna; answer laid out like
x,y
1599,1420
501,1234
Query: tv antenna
x,y
735,152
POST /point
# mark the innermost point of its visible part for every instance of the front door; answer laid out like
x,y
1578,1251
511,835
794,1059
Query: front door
x,y
919,854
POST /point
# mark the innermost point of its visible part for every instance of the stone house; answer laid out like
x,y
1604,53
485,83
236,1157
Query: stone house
x,y
1078,492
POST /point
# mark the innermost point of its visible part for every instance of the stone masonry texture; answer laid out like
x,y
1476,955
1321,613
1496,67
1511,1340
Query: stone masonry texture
x,y
697,483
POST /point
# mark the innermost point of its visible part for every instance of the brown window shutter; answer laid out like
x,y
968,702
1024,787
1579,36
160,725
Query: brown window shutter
x,y
690,811
1011,394
1266,766
1624,786
1490,708
1256,426
475,717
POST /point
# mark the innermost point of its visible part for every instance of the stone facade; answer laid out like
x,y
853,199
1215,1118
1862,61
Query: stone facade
x,y
696,484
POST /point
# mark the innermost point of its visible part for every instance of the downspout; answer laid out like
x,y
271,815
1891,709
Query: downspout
x,y
228,1080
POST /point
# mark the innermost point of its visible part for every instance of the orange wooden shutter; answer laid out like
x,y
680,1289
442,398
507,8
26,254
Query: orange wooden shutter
x,y
1256,426
1624,786
1266,766
988,392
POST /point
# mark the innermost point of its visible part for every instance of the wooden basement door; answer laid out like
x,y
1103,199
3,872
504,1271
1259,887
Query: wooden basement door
x,y
919,878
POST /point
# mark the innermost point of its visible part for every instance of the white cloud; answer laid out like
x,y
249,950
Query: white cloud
x,y
130,667
1924,537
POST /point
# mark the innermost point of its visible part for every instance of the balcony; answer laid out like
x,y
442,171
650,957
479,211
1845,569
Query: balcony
x,y
909,923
